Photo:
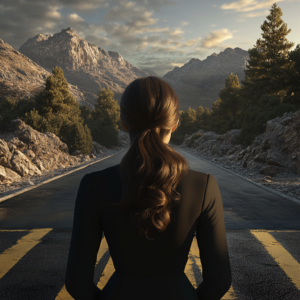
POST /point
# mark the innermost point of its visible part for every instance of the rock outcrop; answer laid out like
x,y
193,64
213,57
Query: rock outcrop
x,y
271,153
25,152
21,77
85,65
206,77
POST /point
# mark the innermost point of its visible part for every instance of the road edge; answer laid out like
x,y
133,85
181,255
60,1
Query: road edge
x,y
296,201
54,178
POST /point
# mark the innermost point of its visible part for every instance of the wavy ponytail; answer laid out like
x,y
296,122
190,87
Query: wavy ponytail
x,y
151,169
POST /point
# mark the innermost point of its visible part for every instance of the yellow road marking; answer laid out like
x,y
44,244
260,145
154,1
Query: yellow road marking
x,y
12,255
230,295
283,258
108,271
63,293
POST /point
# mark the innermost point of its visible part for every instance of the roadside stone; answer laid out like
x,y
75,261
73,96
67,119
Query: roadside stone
x,y
275,159
12,175
260,158
270,170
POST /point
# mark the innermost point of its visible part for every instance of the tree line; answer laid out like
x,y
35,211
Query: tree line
x,y
271,87
55,110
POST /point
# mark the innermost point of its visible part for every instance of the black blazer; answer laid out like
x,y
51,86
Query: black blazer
x,y
148,269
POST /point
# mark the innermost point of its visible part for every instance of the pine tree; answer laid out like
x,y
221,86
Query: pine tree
x,y
58,111
268,60
199,121
106,106
230,97
105,118
266,86
56,98
206,119
216,117
293,77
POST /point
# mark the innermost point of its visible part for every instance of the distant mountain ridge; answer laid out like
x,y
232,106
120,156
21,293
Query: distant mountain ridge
x,y
89,68
85,65
198,82
211,72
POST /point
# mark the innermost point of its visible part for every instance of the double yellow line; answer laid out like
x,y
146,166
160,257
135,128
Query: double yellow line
x,y
283,258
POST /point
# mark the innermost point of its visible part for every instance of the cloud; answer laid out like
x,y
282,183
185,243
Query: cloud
x,y
248,5
258,14
75,18
216,37
98,40
128,27
184,23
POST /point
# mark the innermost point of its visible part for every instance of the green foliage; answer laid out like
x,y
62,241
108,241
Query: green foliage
x,y
14,109
267,88
193,138
227,108
256,117
104,120
185,126
54,109
293,78
268,59
78,136
58,111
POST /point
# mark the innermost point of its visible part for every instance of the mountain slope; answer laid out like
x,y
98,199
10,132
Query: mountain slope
x,y
208,75
85,65
20,77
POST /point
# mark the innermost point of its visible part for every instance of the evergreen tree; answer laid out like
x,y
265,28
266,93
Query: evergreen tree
x,y
293,78
106,106
199,121
265,78
185,126
58,111
105,119
216,117
206,119
268,60
56,98
230,97
14,109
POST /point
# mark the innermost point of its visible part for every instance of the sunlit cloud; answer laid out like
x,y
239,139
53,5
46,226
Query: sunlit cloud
x,y
248,5
75,17
258,14
216,37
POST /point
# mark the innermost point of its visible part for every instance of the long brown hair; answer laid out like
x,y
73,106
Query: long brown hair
x,y
151,169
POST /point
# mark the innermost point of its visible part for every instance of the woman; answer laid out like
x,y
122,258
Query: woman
x,y
149,207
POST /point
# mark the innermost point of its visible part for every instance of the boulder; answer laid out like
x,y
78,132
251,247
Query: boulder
x,y
270,170
10,174
22,165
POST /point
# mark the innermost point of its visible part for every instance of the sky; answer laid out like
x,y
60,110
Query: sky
x,y
155,34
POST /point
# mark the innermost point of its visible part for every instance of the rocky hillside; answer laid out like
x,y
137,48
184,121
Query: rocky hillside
x,y
272,160
85,65
205,78
271,153
26,153
20,77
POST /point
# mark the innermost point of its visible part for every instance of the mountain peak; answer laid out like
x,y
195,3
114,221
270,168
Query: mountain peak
x,y
84,64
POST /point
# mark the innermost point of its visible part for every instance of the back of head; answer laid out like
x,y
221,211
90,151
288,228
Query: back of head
x,y
151,169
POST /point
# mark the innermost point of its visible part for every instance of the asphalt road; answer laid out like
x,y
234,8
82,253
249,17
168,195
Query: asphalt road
x,y
262,228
